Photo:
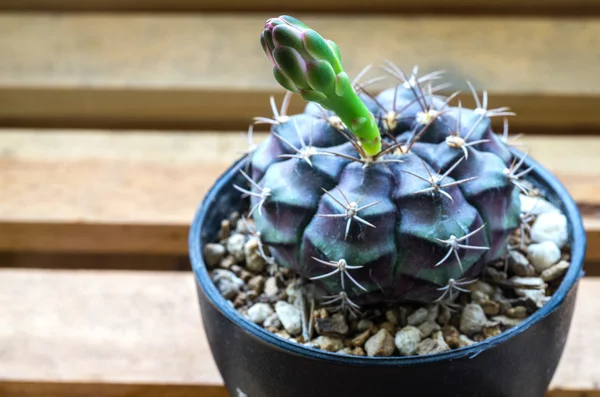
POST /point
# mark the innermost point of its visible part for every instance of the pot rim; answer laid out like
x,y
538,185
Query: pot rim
x,y
539,173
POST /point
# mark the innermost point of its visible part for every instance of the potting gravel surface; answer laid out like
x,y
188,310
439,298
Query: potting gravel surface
x,y
506,293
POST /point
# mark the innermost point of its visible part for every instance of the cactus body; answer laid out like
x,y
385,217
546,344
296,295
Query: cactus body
x,y
436,205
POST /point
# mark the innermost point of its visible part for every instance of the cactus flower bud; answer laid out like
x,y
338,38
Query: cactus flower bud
x,y
304,62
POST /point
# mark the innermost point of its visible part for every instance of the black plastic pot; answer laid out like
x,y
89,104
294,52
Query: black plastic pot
x,y
517,363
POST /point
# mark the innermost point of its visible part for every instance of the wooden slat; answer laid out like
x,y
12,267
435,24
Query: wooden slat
x,y
140,334
135,192
536,7
208,70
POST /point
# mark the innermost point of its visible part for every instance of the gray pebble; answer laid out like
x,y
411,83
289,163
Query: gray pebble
x,y
213,254
418,317
407,339
507,321
543,255
290,317
428,328
235,246
554,272
480,286
519,264
227,283
381,344
433,345
259,312
473,319
392,316
272,321
550,227
364,325
464,341
332,326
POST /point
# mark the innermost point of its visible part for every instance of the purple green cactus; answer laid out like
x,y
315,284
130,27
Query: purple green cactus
x,y
398,196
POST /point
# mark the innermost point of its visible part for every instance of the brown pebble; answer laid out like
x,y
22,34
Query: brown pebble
x,y
359,351
321,313
251,295
225,230
228,262
234,218
389,327
491,331
517,312
479,338
451,336
392,316
245,275
236,269
491,308
257,283
239,300
361,339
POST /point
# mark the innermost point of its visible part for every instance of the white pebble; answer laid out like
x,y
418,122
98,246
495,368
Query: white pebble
x,y
543,255
290,317
554,272
536,205
259,312
550,227
407,339
418,317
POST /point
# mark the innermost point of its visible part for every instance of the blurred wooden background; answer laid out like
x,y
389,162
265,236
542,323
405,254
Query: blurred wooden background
x,y
117,116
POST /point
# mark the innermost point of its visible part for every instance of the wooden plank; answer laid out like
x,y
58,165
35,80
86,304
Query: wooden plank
x,y
176,71
135,192
536,7
140,334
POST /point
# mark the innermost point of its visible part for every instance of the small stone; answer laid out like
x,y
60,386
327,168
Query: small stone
x,y
491,308
532,282
418,317
428,328
332,326
234,217
290,317
228,262
517,312
507,321
538,298
473,319
451,336
480,286
346,350
283,334
380,345
389,327
392,316
257,283
235,246
359,351
245,275
407,339
246,227
543,255
464,341
213,255
360,339
479,297
272,322
403,316
271,288
495,275
554,272
432,312
259,312
227,283
536,205
519,264
551,226
445,315
433,345
364,325
254,262
236,269
225,230
491,331
328,343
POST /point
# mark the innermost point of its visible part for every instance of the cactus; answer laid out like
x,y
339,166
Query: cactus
x,y
398,196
